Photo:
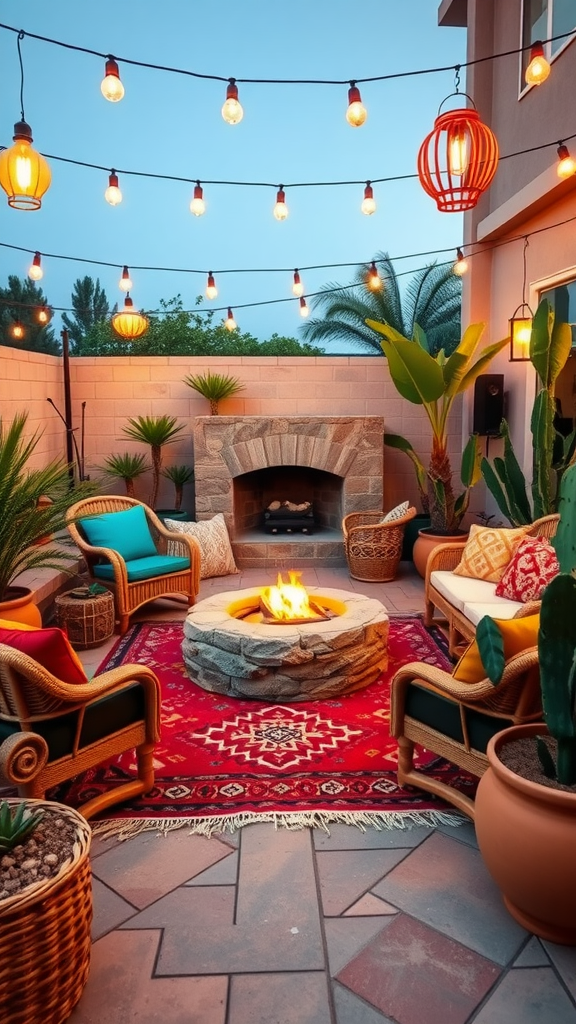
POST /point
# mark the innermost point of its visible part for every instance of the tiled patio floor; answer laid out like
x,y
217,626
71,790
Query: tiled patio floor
x,y
301,927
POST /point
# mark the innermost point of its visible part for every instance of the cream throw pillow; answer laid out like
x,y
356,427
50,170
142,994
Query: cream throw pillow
x,y
397,512
215,550
488,552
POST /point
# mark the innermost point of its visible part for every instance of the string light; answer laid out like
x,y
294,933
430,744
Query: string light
x,y
538,68
374,281
297,287
111,87
43,315
17,330
566,166
356,113
280,210
129,323
24,174
35,272
198,206
232,111
368,203
125,282
230,322
461,265
304,310
211,289
113,194
521,322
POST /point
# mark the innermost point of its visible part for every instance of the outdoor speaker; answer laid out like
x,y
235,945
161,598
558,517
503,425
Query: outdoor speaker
x,y
488,403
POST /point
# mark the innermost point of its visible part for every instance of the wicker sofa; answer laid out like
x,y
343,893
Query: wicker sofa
x,y
463,601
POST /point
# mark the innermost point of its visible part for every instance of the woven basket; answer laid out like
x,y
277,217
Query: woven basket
x,y
87,621
45,937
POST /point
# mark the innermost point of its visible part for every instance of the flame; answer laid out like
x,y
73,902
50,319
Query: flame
x,y
287,601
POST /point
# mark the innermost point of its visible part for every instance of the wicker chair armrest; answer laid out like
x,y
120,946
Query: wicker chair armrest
x,y
356,519
22,757
530,608
360,531
465,693
546,526
445,556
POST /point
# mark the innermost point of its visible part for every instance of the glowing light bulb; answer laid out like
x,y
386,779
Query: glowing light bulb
x,y
43,315
297,287
538,68
125,282
368,203
113,194
458,151
567,164
198,206
232,111
304,310
230,322
280,210
17,330
35,272
356,113
111,87
24,174
461,265
211,289
374,280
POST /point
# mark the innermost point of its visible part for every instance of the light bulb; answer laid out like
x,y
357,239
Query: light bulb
x,y
113,194
43,315
211,289
230,322
125,282
297,287
35,272
17,330
24,174
232,111
304,311
461,265
198,206
374,279
538,68
111,87
356,113
458,151
368,203
567,164
280,209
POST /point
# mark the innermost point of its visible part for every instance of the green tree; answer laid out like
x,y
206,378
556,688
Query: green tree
x,y
91,308
20,301
432,300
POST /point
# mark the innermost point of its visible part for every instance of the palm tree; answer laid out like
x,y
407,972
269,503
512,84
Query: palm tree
x,y
155,431
432,301
214,387
125,467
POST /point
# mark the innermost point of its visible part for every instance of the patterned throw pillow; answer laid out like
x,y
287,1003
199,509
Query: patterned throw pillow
x,y
532,567
396,513
488,551
216,554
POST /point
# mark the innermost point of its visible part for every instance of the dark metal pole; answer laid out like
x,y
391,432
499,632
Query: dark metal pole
x,y
67,405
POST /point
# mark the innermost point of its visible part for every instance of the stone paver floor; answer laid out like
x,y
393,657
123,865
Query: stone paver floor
x,y
273,926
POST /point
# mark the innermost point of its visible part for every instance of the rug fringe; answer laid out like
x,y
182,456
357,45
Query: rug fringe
x,y
127,828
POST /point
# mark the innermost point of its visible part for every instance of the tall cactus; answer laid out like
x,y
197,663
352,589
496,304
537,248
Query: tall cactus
x,y
550,346
565,540
557,657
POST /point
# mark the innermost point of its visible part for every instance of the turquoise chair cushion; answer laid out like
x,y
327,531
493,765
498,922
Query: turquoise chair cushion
x,y
126,532
144,568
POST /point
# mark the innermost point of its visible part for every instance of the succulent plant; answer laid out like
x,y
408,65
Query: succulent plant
x,y
156,431
16,826
126,467
214,387
179,475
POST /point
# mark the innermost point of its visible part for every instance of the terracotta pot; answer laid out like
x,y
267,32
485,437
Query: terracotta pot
x,y
19,606
425,543
527,836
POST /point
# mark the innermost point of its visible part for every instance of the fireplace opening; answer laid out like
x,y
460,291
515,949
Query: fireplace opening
x,y
284,500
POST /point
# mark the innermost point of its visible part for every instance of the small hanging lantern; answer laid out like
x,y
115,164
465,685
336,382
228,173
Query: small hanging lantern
x,y
129,323
24,174
521,324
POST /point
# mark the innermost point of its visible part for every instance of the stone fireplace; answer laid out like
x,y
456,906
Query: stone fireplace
x,y
242,463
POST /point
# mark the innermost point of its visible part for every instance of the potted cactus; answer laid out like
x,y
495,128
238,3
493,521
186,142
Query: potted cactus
x,y
525,810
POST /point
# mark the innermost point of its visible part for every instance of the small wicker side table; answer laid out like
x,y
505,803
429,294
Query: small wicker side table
x,y
87,620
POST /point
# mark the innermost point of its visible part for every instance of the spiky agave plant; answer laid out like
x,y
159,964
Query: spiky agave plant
x,y
155,431
17,825
179,475
214,387
126,467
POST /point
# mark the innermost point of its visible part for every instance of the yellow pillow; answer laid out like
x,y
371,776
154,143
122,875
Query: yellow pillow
x,y
488,551
518,635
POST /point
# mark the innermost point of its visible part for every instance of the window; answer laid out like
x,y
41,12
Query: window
x,y
542,19
562,298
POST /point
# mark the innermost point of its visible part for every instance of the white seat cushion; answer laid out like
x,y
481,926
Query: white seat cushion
x,y
459,590
501,608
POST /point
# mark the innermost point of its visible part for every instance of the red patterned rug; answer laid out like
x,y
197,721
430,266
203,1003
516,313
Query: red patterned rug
x,y
224,762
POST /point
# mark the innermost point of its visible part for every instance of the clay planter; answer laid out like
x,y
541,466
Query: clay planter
x,y
19,606
527,836
425,543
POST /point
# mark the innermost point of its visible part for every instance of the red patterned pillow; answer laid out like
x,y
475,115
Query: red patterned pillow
x,y
49,647
531,568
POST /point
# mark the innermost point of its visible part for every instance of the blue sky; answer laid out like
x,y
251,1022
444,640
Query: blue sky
x,y
171,124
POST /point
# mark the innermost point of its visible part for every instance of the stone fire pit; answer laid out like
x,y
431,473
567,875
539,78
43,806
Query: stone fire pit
x,y
289,662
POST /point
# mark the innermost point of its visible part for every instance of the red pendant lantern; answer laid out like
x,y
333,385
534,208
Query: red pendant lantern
x,y
458,159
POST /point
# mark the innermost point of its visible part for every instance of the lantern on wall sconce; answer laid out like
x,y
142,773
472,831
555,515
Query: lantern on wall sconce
x,y
128,323
521,324
458,159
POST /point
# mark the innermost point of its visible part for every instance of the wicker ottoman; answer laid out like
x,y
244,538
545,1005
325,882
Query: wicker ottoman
x,y
87,619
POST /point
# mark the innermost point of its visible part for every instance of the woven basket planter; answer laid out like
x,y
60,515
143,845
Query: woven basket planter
x,y
88,621
45,937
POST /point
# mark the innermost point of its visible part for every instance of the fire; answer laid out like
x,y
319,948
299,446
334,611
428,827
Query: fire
x,y
288,601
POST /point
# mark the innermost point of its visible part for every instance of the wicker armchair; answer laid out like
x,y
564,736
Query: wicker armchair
x,y
131,595
455,719
51,731
373,548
